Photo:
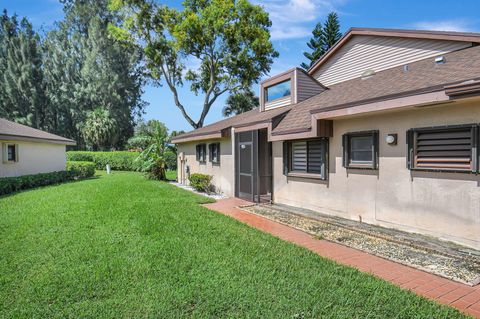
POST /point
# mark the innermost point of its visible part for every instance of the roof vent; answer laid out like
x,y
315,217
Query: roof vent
x,y
405,68
368,74
440,60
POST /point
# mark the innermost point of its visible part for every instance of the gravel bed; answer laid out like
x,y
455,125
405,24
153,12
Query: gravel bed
x,y
191,189
445,259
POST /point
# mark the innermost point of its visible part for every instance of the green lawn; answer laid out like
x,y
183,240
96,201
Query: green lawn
x,y
123,246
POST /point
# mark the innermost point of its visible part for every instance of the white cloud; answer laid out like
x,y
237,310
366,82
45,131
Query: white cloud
x,y
293,19
459,25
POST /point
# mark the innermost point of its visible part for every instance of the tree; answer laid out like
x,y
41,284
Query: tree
x,y
323,39
228,39
316,45
22,95
240,102
154,155
99,127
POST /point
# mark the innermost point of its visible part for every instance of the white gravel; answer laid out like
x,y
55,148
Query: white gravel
x,y
189,188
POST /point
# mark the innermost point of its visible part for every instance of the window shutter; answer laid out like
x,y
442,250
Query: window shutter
x,y
285,158
449,149
345,150
376,145
299,156
475,149
210,152
316,156
218,153
409,139
197,152
16,152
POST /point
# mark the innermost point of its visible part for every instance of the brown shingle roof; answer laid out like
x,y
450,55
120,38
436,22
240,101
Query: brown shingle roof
x,y
17,131
250,117
421,75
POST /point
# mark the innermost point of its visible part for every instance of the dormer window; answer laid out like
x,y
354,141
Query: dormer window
x,y
288,88
278,91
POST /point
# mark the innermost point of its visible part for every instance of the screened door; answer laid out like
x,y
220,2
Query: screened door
x,y
246,165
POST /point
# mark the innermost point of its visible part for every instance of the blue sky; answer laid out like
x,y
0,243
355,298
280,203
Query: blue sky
x,y
293,21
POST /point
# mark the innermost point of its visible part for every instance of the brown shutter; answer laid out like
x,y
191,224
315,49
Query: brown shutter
x,y
409,139
375,156
445,149
345,150
285,158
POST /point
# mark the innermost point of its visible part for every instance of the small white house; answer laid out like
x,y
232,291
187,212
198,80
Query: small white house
x,y
26,150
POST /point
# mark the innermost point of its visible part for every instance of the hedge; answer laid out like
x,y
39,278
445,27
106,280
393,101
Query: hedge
x,y
81,169
201,182
13,184
120,161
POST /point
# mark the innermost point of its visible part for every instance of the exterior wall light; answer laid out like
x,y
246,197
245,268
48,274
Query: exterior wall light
x,y
391,139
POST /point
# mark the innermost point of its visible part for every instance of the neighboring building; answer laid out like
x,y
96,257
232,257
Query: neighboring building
x,y
384,128
26,150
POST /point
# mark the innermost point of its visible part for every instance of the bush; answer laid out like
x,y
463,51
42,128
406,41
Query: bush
x,y
14,184
81,169
201,182
121,161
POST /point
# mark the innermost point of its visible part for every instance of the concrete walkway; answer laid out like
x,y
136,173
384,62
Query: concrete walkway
x,y
460,296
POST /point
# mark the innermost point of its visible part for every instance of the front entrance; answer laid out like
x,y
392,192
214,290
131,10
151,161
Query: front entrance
x,y
253,166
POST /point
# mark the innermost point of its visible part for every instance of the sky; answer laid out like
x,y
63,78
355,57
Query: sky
x,y
292,23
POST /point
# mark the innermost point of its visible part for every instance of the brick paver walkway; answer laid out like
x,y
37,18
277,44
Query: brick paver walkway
x,y
442,290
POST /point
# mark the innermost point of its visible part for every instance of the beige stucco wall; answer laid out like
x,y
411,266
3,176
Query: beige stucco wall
x,y
34,158
223,174
445,205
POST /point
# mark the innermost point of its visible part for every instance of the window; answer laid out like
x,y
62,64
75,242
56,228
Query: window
x,y
278,91
10,153
360,150
214,153
447,148
202,153
306,156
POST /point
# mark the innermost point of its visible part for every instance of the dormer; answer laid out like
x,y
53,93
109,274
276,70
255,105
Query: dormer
x,y
287,88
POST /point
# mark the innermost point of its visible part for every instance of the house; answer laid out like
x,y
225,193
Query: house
x,y
26,150
383,129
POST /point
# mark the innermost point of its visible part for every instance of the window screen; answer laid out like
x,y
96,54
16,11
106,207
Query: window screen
x,y
443,148
215,153
201,153
360,150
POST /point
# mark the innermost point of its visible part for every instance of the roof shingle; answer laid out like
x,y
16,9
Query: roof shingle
x,y
12,129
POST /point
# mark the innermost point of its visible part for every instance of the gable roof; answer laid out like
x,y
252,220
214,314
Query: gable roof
x,y
13,131
417,34
421,77
215,130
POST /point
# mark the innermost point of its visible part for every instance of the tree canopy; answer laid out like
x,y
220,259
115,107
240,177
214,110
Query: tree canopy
x,y
324,36
240,102
216,46
53,81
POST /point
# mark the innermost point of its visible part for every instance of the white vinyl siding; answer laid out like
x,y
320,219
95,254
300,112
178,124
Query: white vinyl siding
x,y
378,53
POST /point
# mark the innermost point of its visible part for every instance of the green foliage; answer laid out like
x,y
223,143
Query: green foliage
x,y
170,159
120,160
240,102
122,246
229,39
324,37
153,156
54,82
201,182
81,169
10,185
98,129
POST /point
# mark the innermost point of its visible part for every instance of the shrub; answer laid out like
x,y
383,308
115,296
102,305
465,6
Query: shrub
x,y
201,182
81,169
121,161
14,184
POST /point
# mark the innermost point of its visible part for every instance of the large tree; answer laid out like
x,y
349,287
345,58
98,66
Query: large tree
x,y
323,38
228,41
22,97
240,102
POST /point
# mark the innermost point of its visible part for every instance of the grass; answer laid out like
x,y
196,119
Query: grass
x,y
123,246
